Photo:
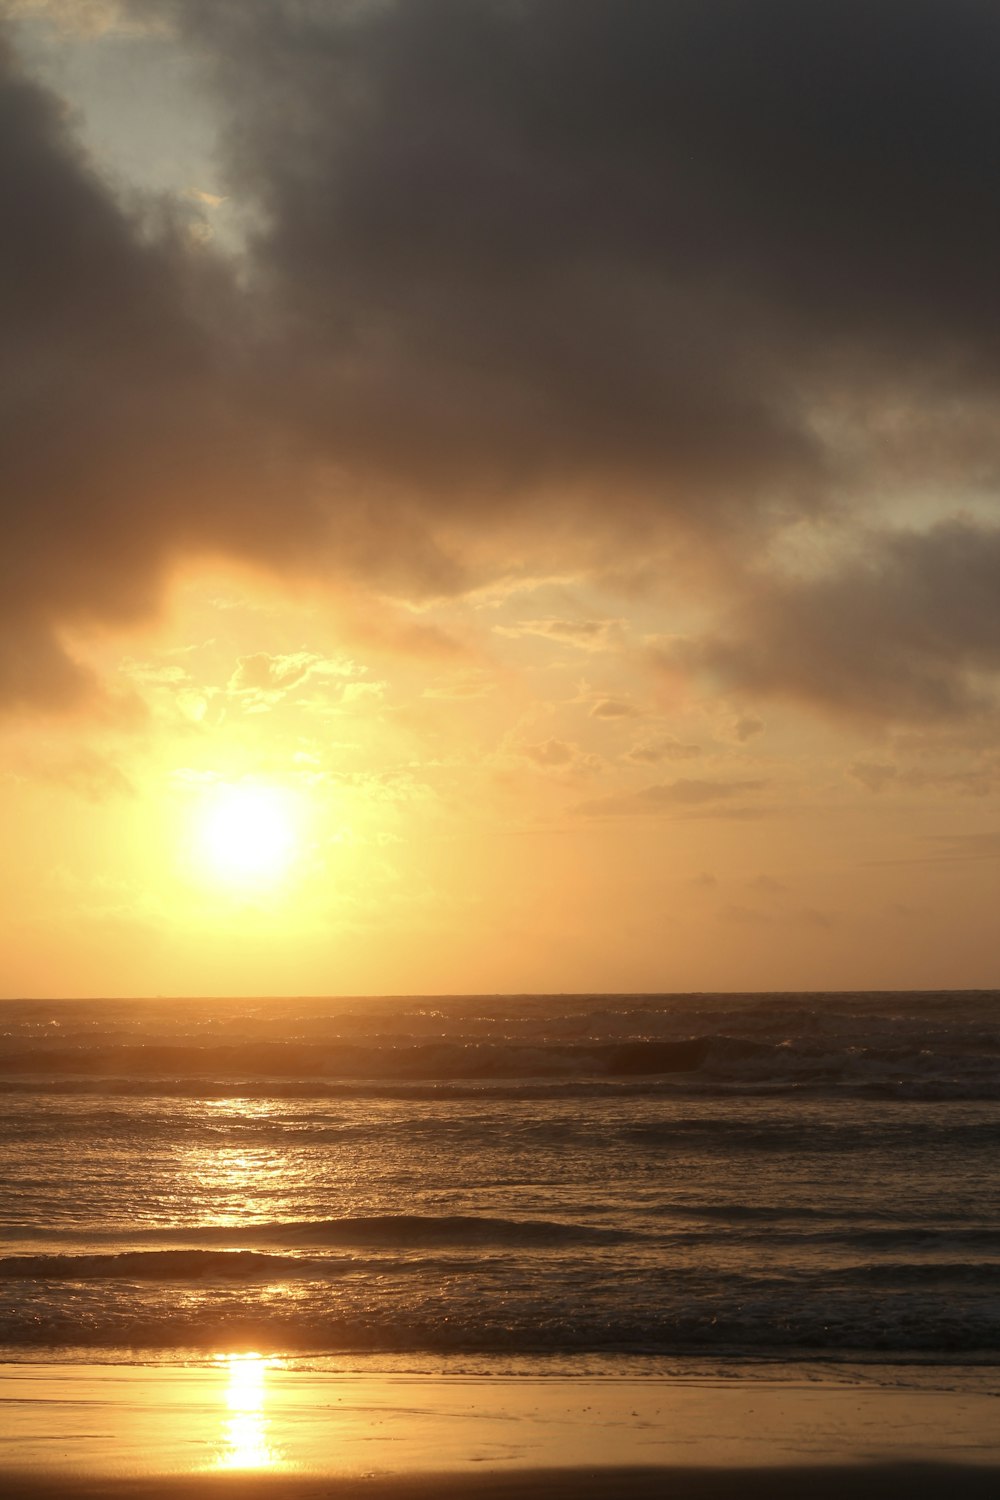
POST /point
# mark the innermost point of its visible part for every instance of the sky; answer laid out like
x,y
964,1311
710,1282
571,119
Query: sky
x,y
499,495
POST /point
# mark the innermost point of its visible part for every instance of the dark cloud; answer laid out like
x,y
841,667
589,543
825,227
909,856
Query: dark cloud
x,y
746,916
484,252
873,774
561,756
90,774
581,245
672,796
551,752
588,635
811,916
950,848
531,267
909,630
804,916
116,446
662,747
880,776
613,708
962,846
746,726
133,425
262,673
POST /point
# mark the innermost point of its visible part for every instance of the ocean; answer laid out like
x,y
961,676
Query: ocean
x,y
803,1178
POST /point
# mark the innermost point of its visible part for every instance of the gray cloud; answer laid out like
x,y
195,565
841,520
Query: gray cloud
x,y
562,268
804,916
119,444
672,796
259,681
746,726
262,673
909,630
613,708
946,849
587,635
477,236
87,16
551,752
962,846
662,747
588,246
560,755
133,422
85,771
880,776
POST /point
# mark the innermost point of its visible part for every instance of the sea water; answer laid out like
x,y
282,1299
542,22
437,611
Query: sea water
x,y
783,1177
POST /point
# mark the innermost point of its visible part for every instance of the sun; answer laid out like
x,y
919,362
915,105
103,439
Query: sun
x,y
248,834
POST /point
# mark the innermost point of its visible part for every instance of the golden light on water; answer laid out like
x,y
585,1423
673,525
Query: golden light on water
x,y
248,834
245,1429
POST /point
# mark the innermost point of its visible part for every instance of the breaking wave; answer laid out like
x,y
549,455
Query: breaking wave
x,y
726,1064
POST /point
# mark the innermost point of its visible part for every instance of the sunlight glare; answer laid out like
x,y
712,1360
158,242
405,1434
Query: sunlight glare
x,y
245,1430
248,834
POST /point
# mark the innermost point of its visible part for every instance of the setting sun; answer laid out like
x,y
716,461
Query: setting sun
x,y
248,833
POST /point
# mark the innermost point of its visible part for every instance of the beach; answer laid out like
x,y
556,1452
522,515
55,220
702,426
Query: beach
x,y
526,1246
249,1427
499,750
919,1482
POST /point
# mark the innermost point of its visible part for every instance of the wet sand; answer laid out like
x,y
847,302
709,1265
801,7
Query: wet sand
x,y
248,1428
886,1482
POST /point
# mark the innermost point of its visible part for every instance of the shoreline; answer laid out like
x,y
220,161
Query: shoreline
x,y
246,1425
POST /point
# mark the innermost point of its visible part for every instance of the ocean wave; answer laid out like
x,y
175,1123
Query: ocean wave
x,y
687,1229
963,1274
213,1266
422,1061
322,1125
373,1231
158,1265
799,1136
920,1237
776,1322
739,1213
920,1067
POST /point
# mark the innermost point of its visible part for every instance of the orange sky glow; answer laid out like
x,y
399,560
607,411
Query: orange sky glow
x,y
482,646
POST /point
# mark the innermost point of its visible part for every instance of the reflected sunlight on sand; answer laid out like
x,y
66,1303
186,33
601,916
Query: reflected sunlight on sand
x,y
245,1428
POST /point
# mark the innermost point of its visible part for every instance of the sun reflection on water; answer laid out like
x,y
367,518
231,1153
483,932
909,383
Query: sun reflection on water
x,y
245,1429
236,1186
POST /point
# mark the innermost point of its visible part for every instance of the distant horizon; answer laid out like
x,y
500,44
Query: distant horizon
x,y
510,994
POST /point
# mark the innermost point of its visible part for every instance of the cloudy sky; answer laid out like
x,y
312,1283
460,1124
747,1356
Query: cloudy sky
x,y
499,495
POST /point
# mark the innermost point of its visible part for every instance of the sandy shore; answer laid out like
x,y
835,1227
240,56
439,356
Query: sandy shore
x,y
884,1482
247,1427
